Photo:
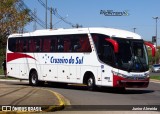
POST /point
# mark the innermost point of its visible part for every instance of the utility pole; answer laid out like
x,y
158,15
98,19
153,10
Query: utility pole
x,y
156,18
51,18
46,13
35,14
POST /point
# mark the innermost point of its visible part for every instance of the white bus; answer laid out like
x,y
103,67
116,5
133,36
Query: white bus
x,y
92,56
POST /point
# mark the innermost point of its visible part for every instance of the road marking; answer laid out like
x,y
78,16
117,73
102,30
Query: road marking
x,y
60,99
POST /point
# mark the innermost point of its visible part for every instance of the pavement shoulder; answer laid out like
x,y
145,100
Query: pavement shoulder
x,y
22,95
155,81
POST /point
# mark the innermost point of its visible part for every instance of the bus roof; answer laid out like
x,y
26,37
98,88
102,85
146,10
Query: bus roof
x,y
106,31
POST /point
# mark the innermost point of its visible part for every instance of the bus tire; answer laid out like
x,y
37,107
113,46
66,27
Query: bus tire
x,y
91,83
33,79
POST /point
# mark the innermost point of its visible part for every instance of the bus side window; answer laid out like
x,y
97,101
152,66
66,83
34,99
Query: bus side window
x,y
46,45
17,45
25,46
85,45
53,45
60,45
38,43
12,44
75,45
20,45
67,44
32,45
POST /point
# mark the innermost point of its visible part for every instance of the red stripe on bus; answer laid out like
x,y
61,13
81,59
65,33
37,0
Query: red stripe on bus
x,y
13,56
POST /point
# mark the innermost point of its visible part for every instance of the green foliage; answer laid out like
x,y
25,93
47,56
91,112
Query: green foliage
x,y
13,18
1,71
155,77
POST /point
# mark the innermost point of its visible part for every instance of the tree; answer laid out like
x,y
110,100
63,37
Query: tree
x,y
13,18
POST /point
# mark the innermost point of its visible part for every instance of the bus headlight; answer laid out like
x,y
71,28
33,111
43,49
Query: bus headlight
x,y
146,75
119,74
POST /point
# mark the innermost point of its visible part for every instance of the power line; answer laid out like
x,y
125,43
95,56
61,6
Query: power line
x,y
23,6
44,5
62,18
55,13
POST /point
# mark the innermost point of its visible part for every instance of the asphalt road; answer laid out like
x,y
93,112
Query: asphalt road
x,y
79,95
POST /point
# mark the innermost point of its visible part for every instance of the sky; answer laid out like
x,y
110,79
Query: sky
x,y
87,13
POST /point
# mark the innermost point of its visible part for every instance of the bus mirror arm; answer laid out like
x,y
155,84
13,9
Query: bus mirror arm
x,y
152,47
114,43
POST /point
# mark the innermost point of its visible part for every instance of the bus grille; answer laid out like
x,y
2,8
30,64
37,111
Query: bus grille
x,y
136,78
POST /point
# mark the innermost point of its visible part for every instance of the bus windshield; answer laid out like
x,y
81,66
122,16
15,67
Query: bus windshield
x,y
132,55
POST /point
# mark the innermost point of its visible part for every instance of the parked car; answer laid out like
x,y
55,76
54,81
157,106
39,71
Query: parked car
x,y
155,68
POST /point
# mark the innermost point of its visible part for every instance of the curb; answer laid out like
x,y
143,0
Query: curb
x,y
56,107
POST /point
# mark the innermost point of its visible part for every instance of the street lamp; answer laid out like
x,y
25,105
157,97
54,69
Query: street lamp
x,y
156,18
134,29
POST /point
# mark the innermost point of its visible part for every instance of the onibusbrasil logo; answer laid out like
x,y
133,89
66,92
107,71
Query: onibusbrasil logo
x,y
114,13
21,108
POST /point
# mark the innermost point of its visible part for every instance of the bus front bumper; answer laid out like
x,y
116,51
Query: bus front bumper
x,y
130,83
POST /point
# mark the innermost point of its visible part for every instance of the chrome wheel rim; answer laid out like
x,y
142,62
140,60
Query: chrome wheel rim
x,y
33,79
90,82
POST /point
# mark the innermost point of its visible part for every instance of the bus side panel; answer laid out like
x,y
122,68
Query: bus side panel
x,y
63,73
23,69
91,69
67,73
49,72
17,67
107,76
103,76
73,73
78,74
36,64
13,69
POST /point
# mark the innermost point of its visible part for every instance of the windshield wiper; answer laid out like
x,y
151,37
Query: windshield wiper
x,y
131,64
135,62
141,63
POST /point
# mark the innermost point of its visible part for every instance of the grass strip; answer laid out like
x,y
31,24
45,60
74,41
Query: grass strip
x,y
155,77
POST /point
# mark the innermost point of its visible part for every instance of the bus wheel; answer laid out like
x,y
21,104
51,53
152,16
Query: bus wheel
x,y
33,79
91,83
